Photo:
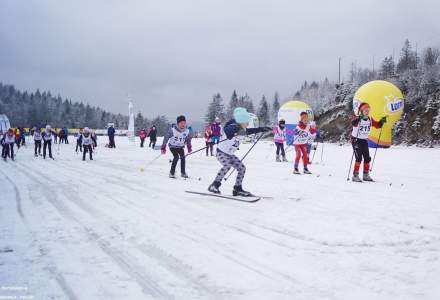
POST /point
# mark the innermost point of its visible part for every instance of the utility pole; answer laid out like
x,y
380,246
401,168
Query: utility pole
x,y
339,77
373,64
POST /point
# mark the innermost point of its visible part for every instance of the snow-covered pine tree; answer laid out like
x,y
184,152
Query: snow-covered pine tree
x,y
387,68
215,109
275,107
233,103
408,58
139,121
263,112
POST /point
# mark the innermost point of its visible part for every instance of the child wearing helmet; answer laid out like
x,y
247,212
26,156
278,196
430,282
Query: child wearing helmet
x,y
279,137
361,124
227,148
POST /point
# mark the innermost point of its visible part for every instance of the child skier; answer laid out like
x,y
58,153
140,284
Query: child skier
x,y
279,136
359,138
142,136
77,135
153,136
88,142
47,135
37,140
226,150
216,129
208,141
8,141
176,138
301,134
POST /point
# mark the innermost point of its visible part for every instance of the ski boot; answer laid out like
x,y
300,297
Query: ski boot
x,y
214,187
284,159
306,171
277,159
355,177
183,175
367,177
172,176
36,155
238,191
296,171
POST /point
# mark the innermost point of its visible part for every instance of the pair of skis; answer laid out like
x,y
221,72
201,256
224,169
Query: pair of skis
x,y
249,199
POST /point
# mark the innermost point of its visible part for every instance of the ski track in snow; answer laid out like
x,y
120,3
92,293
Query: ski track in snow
x,y
106,230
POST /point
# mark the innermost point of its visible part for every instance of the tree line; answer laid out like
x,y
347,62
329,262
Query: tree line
x,y
266,113
37,108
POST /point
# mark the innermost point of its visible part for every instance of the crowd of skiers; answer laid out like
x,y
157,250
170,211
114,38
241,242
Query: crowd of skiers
x,y
225,138
86,141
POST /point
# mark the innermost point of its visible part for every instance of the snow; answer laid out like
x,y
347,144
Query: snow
x,y
108,230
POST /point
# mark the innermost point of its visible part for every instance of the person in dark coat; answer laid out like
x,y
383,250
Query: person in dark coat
x,y
153,136
111,137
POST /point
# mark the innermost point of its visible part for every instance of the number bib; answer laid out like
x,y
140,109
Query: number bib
x,y
86,141
9,139
37,136
279,135
302,135
47,136
362,131
178,139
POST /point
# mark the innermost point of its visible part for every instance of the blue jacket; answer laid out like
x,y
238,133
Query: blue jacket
x,y
111,131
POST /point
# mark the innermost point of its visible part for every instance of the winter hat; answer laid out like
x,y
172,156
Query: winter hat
x,y
48,127
241,115
86,130
217,120
282,122
303,113
180,119
363,105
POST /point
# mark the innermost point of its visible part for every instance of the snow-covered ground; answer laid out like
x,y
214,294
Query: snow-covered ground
x,y
107,230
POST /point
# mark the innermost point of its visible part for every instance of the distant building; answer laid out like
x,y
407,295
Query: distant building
x,y
4,123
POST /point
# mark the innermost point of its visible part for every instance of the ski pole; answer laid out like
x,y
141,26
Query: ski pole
x,y
322,150
352,156
153,160
226,178
351,163
201,149
375,151
314,152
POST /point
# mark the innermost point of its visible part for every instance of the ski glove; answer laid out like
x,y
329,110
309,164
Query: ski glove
x,y
382,121
189,147
163,149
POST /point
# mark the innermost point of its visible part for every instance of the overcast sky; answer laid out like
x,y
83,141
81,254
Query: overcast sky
x,y
171,56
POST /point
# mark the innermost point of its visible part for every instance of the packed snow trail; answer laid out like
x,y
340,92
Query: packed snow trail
x,y
117,228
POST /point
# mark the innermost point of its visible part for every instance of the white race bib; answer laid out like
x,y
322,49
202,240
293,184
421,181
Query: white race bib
x,y
362,131
178,139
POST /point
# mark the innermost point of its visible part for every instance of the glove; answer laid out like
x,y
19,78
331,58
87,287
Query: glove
x,y
163,149
189,147
383,121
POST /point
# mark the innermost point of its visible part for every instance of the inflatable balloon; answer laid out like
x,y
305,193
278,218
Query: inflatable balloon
x,y
385,100
290,112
